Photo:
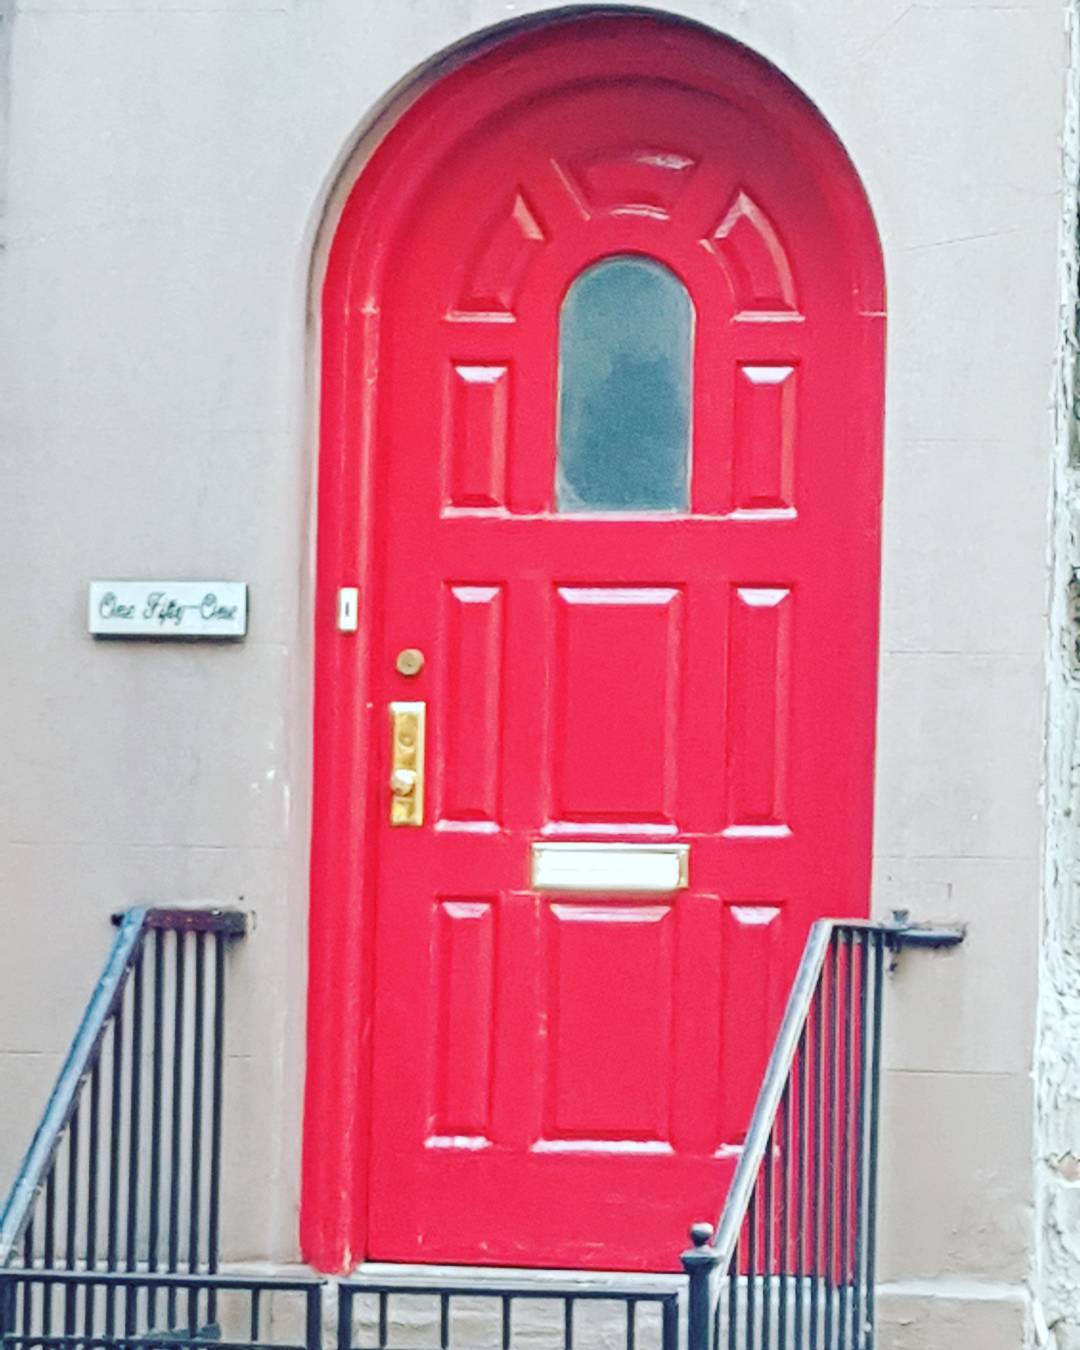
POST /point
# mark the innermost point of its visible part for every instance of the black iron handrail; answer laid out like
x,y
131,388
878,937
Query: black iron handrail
x,y
809,1161
66,1183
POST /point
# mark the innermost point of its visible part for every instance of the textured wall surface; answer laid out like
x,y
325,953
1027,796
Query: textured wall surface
x,y
168,167
1057,1063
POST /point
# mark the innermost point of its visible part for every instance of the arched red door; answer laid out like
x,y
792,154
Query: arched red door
x,y
601,424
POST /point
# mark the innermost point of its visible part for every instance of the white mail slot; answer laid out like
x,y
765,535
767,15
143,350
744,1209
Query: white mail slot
x,y
623,869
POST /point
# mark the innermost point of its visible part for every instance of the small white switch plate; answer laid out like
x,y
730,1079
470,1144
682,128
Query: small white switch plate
x,y
348,609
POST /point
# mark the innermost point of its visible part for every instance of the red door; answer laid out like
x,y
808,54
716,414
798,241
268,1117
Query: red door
x,y
603,330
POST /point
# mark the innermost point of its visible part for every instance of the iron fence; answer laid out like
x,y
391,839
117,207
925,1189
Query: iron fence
x,y
109,1236
791,1264
394,1316
124,1170
111,1310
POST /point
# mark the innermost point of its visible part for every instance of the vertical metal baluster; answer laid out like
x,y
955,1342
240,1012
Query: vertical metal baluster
x,y
131,1313
18,1307
49,1246
313,1318
507,1323
444,1322
28,1301
197,1100
568,1326
733,1296
7,1309
49,1250
800,1186
752,1262
176,1112
7,1303
254,1313
817,1189
717,1316
115,1144
92,1163
32,1304
669,1337
18,1288
860,1146
872,1141
829,1139
8,1292
767,1242
134,1138
213,1217
631,1324
198,1051
845,1148
192,1307
153,1227
89,1310
785,1204
72,1218
72,1206
344,1318
384,1299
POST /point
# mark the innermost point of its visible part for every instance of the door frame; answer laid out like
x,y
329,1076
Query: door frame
x,y
375,200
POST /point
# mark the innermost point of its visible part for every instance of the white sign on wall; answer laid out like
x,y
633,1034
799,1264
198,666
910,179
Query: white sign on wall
x,y
202,609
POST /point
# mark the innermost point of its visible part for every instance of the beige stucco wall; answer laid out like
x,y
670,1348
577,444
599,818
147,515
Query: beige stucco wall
x,y
167,168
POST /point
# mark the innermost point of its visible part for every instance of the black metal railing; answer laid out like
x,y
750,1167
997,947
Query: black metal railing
x,y
120,1310
791,1264
110,1235
124,1171
375,1315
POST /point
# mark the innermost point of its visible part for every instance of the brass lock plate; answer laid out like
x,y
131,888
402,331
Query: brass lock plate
x,y
407,763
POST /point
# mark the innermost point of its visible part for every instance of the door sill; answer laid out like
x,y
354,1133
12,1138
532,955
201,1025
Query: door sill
x,y
527,1277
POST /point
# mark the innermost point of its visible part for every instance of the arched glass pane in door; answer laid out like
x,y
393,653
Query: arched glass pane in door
x,y
625,359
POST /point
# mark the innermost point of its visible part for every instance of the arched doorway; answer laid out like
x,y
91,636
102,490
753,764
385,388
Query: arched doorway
x,y
601,451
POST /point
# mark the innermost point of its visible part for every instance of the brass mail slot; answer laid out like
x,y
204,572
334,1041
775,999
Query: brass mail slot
x,y
616,869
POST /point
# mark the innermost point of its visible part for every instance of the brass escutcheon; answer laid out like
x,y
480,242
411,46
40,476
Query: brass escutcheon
x,y
407,763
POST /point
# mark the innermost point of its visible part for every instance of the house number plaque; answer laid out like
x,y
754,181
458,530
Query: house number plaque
x,y
168,609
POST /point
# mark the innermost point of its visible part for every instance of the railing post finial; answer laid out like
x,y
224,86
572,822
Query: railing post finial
x,y
699,1262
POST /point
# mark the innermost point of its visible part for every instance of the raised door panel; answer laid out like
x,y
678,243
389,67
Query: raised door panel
x,y
470,743
759,706
616,688
475,438
752,955
464,1024
763,446
608,1014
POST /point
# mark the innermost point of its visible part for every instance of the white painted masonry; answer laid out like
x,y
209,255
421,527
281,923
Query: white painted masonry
x,y
168,165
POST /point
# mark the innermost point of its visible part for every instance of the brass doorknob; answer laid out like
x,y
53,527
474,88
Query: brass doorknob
x,y
403,782
410,661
